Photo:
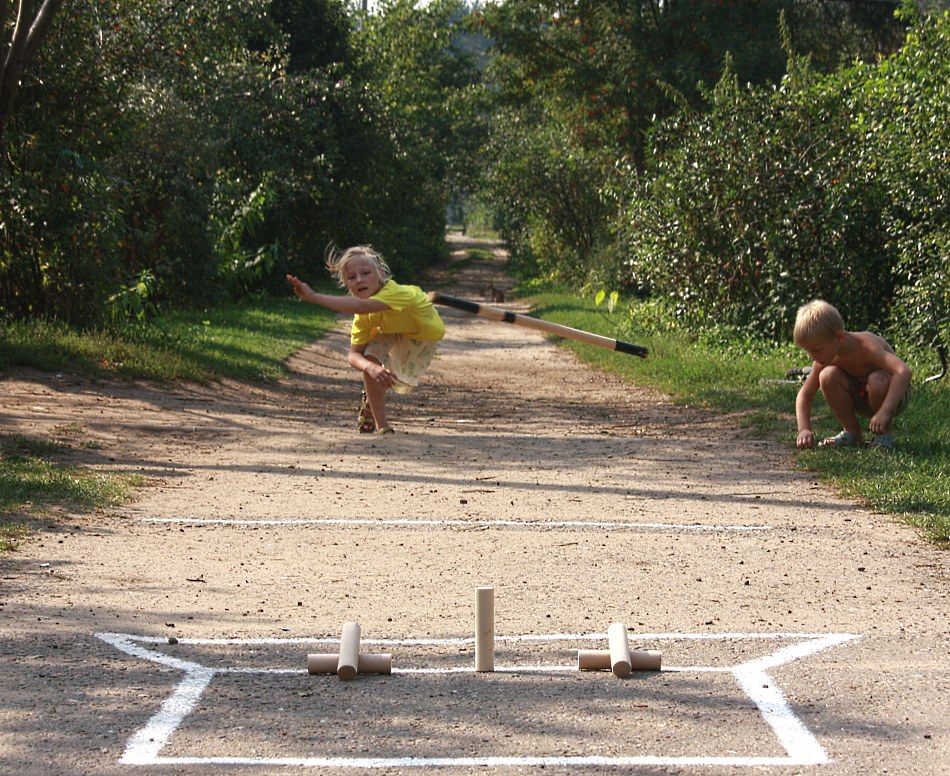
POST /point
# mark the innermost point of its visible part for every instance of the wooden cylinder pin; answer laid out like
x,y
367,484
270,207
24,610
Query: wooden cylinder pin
x,y
369,663
599,659
349,659
485,629
619,649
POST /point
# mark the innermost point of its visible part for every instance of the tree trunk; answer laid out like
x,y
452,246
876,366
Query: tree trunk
x,y
28,34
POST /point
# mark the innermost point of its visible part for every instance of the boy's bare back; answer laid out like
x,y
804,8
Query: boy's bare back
x,y
863,352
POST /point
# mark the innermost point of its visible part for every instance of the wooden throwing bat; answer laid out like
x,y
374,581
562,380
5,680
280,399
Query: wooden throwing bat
x,y
506,316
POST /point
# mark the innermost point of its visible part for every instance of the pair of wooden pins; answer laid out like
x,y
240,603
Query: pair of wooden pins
x,y
619,658
350,662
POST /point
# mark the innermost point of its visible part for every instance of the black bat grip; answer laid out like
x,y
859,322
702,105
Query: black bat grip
x,y
633,350
454,301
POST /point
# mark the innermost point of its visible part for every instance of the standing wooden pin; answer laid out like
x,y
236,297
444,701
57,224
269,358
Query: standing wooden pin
x,y
349,661
619,649
485,629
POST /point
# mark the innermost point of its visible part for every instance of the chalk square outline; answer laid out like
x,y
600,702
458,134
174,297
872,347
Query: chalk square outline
x,y
802,748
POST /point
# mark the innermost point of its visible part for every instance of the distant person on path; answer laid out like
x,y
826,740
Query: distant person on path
x,y
395,328
858,374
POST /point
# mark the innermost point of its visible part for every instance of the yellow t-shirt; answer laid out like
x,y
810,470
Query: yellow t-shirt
x,y
410,312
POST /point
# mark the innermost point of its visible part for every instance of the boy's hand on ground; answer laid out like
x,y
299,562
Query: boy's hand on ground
x,y
805,439
880,423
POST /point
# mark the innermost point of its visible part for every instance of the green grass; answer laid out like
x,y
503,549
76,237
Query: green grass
x,y
251,342
36,480
911,482
11,534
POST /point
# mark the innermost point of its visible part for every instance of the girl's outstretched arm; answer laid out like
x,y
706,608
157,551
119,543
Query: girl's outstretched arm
x,y
340,304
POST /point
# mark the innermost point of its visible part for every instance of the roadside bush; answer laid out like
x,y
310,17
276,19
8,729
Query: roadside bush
x,y
900,119
60,235
757,205
548,189
830,187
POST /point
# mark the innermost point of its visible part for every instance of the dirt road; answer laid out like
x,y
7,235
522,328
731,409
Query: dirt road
x,y
799,633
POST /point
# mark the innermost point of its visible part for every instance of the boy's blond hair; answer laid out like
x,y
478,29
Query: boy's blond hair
x,y
336,261
817,321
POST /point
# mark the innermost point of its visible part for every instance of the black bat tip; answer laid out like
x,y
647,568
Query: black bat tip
x,y
633,350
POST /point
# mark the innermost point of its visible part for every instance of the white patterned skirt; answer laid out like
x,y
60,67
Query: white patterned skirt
x,y
407,358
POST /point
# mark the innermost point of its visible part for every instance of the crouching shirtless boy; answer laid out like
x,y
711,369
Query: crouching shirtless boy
x,y
858,374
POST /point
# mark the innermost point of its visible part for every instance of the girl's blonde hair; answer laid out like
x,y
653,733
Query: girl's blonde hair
x,y
337,260
817,321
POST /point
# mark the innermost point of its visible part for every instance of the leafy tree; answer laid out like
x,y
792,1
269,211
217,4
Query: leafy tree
x,y
547,188
354,132
318,32
112,157
413,74
838,33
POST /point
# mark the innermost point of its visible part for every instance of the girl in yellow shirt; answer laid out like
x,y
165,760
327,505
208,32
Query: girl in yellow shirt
x,y
395,328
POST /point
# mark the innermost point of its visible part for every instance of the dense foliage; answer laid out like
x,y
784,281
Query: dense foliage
x,y
728,160
172,151
900,120
756,205
829,186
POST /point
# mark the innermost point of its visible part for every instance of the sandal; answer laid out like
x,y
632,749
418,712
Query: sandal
x,y
385,430
882,442
365,421
841,439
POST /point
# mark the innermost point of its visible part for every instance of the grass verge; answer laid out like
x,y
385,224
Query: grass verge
x,y
251,341
36,481
738,377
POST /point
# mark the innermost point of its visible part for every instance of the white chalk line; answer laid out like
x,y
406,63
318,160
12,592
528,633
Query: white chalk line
x,y
373,763
427,523
802,748
462,641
